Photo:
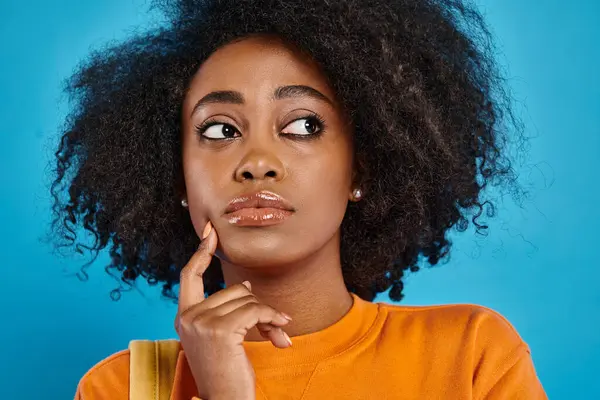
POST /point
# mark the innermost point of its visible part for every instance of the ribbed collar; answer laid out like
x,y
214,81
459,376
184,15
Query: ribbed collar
x,y
317,346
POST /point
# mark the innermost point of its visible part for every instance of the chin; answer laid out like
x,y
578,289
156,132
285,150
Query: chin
x,y
260,250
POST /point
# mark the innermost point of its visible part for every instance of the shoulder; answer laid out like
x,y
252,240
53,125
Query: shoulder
x,y
475,340
109,378
478,326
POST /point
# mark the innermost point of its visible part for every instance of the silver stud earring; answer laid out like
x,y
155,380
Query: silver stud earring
x,y
357,194
184,203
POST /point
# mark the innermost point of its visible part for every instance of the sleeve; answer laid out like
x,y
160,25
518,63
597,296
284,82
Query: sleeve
x,y
109,379
503,367
519,382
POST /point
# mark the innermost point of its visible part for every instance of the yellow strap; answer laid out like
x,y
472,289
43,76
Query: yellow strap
x,y
152,368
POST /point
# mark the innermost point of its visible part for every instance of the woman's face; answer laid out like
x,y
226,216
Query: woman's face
x,y
260,116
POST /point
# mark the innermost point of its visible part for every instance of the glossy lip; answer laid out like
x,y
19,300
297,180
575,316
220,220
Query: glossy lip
x,y
261,208
262,199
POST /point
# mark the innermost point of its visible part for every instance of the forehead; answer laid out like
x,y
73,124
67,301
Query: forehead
x,y
257,64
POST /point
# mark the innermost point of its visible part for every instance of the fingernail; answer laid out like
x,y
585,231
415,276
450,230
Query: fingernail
x,y
287,338
207,230
285,316
247,284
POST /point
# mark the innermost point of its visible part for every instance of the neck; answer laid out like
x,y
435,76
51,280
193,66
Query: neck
x,y
311,291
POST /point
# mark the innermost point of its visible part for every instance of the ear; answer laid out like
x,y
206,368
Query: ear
x,y
179,188
350,196
358,175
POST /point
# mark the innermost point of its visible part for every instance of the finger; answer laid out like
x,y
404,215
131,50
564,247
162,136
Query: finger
x,y
277,336
250,315
234,297
217,299
228,294
221,310
191,286
227,307
274,334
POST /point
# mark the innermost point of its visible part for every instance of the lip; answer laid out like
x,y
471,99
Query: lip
x,y
261,208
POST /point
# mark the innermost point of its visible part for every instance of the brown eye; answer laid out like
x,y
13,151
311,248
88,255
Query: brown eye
x,y
303,127
219,131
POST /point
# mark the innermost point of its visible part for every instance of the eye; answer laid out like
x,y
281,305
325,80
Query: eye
x,y
304,126
218,131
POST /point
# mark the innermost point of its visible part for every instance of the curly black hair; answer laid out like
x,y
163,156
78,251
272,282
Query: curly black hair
x,y
418,79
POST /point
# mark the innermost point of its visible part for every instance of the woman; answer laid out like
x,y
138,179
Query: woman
x,y
285,161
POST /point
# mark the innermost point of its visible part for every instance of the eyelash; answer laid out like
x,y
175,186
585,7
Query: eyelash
x,y
200,129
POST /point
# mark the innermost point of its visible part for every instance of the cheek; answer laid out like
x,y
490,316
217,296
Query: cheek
x,y
328,198
326,184
200,189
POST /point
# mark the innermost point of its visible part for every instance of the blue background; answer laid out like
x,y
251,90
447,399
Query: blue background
x,y
538,266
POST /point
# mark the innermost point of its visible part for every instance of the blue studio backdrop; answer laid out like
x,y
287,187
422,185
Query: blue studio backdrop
x,y
538,266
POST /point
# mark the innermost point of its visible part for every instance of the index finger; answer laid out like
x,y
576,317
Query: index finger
x,y
191,283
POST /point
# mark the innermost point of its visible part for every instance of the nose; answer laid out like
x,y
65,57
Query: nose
x,y
260,164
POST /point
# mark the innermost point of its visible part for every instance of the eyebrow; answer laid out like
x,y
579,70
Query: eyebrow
x,y
291,91
282,92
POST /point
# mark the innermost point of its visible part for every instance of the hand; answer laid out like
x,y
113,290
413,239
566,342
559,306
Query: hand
x,y
212,330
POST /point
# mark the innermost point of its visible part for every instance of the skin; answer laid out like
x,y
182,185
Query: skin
x,y
294,266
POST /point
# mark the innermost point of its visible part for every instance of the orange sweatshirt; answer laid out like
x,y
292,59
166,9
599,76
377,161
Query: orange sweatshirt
x,y
376,351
